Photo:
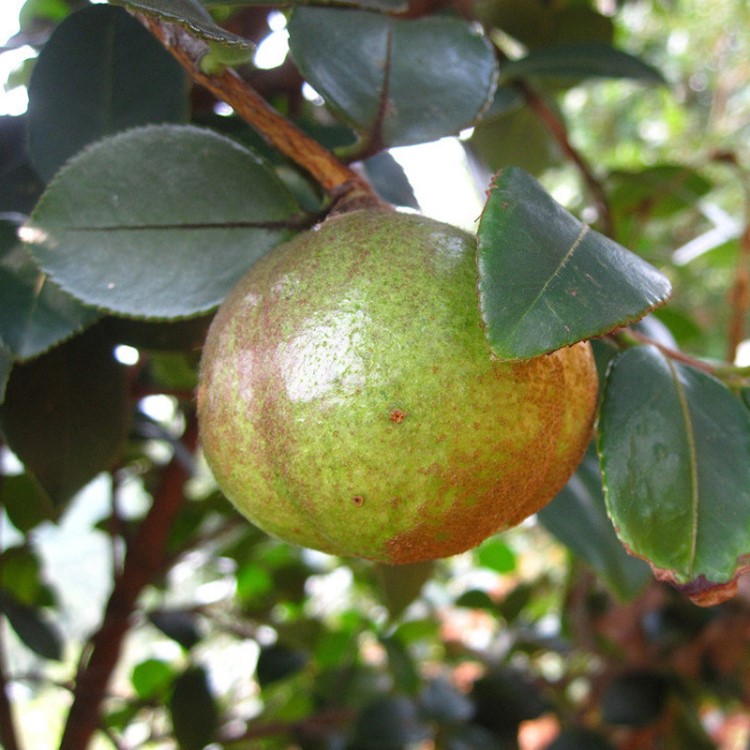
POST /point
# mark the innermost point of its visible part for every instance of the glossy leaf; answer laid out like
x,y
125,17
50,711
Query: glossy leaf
x,y
546,280
674,446
193,710
582,60
65,414
578,518
31,627
188,13
130,225
35,314
377,71
100,72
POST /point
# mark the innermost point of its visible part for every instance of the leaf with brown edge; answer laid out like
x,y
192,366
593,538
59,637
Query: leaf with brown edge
x,y
674,448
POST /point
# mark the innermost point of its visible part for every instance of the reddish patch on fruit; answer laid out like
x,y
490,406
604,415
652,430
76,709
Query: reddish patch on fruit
x,y
397,416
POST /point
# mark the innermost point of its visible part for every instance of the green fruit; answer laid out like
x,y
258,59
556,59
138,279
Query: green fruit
x,y
349,402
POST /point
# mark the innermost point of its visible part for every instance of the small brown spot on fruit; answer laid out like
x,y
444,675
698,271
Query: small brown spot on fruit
x,y
358,500
397,416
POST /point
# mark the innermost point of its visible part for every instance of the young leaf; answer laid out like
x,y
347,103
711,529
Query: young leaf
x,y
674,447
99,73
65,414
376,71
546,280
578,518
188,13
34,313
581,60
158,222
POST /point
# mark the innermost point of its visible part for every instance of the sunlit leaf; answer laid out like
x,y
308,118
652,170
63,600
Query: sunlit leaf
x,y
100,72
674,446
130,225
546,280
378,71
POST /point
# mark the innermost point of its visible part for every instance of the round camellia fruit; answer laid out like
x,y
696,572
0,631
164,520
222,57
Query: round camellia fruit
x,y
349,402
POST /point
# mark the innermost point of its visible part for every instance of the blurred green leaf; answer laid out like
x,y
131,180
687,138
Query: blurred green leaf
x,y
26,504
279,661
21,576
496,555
400,585
151,678
129,226
674,445
36,314
580,739
504,698
443,702
546,280
177,624
6,365
578,518
389,722
188,13
193,710
99,73
581,60
31,627
65,414
377,71
401,665
476,599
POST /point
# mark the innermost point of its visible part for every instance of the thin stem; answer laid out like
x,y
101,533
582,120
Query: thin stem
x,y
739,297
331,174
557,130
144,561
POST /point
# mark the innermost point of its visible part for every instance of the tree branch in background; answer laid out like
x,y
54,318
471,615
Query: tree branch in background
x,y
558,131
332,175
144,561
739,297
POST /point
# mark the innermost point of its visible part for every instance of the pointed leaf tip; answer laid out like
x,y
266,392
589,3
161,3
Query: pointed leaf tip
x,y
546,280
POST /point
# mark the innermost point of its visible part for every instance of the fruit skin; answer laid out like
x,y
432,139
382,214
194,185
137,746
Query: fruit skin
x,y
348,400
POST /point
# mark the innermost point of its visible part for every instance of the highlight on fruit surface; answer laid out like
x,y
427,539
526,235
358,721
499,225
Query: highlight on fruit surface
x,y
348,400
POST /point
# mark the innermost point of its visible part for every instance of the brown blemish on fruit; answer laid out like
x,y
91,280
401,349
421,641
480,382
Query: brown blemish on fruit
x,y
397,416
358,500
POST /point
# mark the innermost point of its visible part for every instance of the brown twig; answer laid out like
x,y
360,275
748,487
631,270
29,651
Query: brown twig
x,y
144,561
331,174
558,131
739,297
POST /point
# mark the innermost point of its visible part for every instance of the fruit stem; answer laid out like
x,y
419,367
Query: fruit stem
x,y
335,177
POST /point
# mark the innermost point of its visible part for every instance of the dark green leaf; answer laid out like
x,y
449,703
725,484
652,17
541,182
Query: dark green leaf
x,y
388,178
476,599
20,189
188,13
26,504
151,678
21,576
400,585
278,662
177,624
546,280
582,60
131,224
473,737
65,414
496,555
389,722
504,698
100,72
6,365
402,666
393,6
31,627
578,518
378,71
674,446
193,710
634,699
34,313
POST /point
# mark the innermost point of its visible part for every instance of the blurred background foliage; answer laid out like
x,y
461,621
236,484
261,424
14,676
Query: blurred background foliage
x,y
548,636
